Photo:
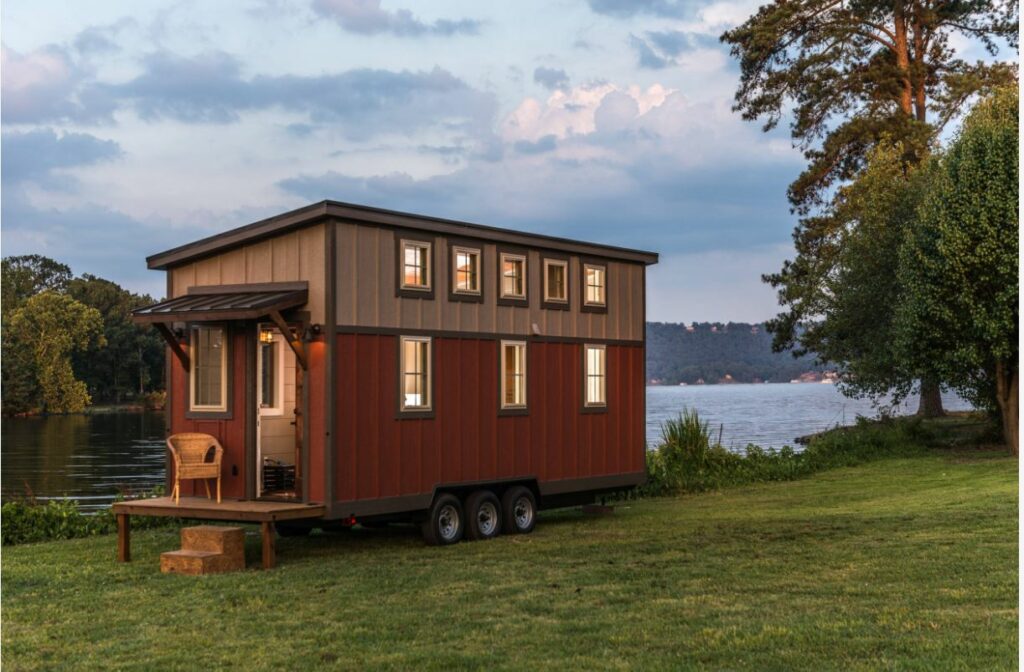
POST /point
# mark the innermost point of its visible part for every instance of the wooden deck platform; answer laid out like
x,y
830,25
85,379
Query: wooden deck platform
x,y
266,513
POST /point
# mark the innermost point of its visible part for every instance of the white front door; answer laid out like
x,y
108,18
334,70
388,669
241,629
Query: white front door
x,y
275,413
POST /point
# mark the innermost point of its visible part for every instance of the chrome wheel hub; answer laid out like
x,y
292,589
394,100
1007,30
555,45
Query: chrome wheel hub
x,y
448,522
523,512
487,519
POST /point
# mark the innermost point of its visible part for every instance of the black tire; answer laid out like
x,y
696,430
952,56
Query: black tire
x,y
293,530
445,524
483,516
519,510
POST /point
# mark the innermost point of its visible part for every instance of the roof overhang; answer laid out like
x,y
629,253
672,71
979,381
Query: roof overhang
x,y
328,210
217,303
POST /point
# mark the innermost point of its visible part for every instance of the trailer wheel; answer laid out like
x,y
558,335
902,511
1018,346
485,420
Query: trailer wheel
x,y
520,510
483,516
445,524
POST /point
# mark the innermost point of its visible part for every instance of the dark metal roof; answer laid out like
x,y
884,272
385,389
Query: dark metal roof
x,y
363,214
225,302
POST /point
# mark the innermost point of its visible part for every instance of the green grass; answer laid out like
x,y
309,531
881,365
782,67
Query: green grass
x,y
897,564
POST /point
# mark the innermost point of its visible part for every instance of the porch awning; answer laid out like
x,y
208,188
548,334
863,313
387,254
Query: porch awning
x,y
226,302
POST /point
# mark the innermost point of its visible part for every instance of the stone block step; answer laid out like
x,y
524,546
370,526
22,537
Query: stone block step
x,y
215,539
199,562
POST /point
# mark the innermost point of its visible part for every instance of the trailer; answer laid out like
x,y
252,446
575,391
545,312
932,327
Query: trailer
x,y
366,365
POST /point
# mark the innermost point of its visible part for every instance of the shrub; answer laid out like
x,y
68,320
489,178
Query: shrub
x,y
687,460
27,521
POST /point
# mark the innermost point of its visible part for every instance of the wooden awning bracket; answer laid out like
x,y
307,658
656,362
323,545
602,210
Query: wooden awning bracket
x,y
173,342
293,341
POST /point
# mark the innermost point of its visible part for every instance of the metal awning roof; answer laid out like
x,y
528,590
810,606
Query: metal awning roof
x,y
226,302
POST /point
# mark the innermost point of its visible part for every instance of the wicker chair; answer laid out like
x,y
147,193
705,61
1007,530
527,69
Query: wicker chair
x,y
193,459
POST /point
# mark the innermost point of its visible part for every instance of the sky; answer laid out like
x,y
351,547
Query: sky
x,y
132,127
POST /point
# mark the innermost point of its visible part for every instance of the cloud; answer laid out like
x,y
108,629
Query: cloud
x,y
366,17
41,87
545,144
91,238
625,165
646,56
210,88
551,78
35,155
630,8
662,49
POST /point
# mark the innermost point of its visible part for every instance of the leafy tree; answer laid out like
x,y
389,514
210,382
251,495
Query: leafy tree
x,y
863,291
960,265
852,74
132,360
51,327
23,277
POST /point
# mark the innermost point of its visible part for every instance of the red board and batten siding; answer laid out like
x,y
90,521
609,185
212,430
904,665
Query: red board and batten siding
x,y
379,455
230,432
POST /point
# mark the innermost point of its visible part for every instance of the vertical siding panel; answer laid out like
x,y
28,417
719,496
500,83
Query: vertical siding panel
x,y
232,267
258,263
366,281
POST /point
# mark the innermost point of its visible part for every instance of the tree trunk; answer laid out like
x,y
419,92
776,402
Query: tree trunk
x,y
1006,395
903,60
920,103
931,400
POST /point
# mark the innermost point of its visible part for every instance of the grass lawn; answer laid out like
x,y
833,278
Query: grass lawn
x,y
901,564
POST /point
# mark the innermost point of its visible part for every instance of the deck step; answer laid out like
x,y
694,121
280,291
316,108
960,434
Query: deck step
x,y
214,538
199,562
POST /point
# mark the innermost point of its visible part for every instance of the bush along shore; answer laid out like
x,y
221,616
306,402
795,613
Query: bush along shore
x,y
689,460
30,520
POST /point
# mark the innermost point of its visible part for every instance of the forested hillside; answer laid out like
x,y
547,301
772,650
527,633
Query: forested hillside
x,y
716,352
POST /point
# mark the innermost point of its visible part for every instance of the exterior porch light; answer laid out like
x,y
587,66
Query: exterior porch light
x,y
266,336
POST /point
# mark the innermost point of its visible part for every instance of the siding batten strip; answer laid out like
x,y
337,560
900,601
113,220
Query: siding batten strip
x,y
330,343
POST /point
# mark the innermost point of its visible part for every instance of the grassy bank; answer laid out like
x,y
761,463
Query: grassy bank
x,y
906,563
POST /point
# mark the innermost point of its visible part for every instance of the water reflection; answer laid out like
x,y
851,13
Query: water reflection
x,y
90,458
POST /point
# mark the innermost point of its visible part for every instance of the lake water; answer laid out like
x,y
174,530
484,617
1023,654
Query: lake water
x,y
94,457
769,415
88,457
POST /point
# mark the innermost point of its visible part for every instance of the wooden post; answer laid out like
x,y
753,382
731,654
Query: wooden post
x,y
268,533
124,537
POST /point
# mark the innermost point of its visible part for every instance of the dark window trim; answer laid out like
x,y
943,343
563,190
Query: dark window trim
x,y
508,300
228,377
593,408
406,292
400,413
517,410
544,301
592,308
468,297
483,335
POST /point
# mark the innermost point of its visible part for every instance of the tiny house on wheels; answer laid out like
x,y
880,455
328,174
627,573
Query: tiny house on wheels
x,y
359,364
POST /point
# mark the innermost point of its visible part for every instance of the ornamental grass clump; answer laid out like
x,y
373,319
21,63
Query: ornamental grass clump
x,y
688,459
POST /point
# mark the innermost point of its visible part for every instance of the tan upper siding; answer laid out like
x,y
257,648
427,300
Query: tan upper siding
x,y
366,293
297,255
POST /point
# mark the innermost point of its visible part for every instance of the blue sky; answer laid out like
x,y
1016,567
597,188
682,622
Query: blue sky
x,y
131,127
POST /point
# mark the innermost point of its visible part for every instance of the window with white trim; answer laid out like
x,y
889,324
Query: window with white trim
x,y
415,264
415,373
594,280
466,270
596,375
556,280
513,276
513,374
208,388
